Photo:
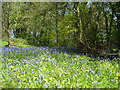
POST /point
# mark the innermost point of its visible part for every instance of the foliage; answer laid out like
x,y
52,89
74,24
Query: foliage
x,y
45,67
91,25
3,43
17,42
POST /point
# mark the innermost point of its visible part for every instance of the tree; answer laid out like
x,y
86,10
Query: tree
x,y
6,21
91,27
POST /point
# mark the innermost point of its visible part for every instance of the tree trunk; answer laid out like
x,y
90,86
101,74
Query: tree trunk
x,y
118,24
6,10
56,23
107,30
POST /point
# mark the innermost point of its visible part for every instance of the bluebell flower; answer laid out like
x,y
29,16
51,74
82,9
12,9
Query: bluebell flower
x,y
95,75
2,59
40,81
92,71
23,72
18,80
53,71
70,77
113,80
21,64
86,74
63,75
58,86
9,64
54,74
98,72
9,73
42,74
46,85
74,74
37,67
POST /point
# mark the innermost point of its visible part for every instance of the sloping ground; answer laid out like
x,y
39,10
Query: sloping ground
x,y
70,50
73,50
18,42
44,67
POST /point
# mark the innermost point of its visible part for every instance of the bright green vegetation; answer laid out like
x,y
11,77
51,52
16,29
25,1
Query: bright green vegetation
x,y
92,27
18,42
85,28
32,67
3,43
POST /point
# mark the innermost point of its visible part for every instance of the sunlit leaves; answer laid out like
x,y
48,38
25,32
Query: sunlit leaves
x,y
50,70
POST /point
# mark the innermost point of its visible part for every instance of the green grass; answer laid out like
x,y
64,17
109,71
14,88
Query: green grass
x,y
3,43
43,68
16,41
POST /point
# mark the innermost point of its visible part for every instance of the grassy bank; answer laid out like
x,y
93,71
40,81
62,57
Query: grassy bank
x,y
32,67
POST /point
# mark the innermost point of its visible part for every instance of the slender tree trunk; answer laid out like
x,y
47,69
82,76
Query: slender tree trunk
x,y
56,23
107,30
6,8
64,9
110,29
118,30
77,25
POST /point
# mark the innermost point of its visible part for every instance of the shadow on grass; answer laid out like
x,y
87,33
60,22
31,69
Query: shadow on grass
x,y
73,50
